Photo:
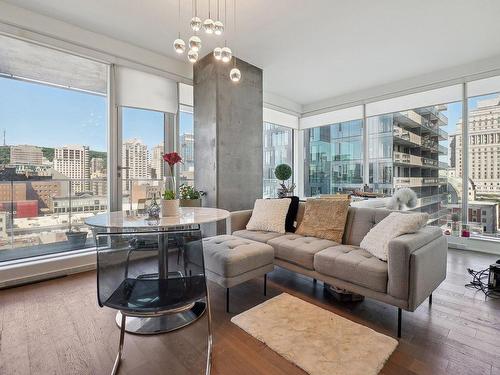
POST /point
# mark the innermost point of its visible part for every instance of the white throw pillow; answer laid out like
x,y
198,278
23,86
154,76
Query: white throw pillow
x,y
376,241
269,215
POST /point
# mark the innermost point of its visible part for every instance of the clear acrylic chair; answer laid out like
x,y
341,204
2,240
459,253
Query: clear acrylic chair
x,y
140,275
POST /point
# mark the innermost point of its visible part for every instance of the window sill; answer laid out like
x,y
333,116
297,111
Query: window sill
x,y
483,244
45,267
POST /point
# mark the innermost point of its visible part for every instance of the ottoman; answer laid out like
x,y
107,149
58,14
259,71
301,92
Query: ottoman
x,y
230,260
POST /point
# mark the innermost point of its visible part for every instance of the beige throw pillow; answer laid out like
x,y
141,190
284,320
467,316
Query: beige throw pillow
x,y
324,218
269,215
376,241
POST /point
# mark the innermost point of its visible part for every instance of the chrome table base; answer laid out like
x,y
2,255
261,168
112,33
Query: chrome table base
x,y
163,323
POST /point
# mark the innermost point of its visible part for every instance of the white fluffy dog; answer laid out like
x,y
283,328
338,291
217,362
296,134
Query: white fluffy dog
x,y
402,199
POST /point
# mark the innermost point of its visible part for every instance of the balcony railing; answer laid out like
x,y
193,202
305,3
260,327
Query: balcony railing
x,y
46,216
414,181
407,136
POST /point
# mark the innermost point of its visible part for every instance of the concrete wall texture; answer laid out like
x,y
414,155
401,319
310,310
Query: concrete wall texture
x,y
228,133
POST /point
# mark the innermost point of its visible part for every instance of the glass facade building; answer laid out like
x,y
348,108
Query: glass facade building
x,y
334,158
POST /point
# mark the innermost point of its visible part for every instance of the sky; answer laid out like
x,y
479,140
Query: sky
x,y
47,116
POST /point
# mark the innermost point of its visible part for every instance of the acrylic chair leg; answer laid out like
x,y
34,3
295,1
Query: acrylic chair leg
x,y
430,299
210,337
118,359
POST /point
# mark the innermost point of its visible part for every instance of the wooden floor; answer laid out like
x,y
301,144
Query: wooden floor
x,y
56,327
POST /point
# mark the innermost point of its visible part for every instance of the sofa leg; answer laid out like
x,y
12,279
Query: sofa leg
x,y
227,300
400,313
265,284
430,299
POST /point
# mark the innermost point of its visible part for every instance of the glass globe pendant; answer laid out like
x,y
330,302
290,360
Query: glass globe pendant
x,y
195,43
179,46
218,53
235,74
195,23
209,26
218,28
226,54
192,56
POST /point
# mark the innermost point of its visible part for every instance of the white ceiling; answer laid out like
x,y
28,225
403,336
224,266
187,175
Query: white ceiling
x,y
310,50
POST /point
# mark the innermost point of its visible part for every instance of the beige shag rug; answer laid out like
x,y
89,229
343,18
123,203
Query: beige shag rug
x,y
314,339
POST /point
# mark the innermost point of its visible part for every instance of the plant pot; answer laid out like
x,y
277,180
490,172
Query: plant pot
x,y
190,202
76,240
170,207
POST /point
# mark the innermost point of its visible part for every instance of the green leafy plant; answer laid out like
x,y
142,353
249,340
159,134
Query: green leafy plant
x,y
168,195
283,172
171,158
189,192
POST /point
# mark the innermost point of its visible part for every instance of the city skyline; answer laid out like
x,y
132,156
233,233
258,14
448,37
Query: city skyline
x,y
53,109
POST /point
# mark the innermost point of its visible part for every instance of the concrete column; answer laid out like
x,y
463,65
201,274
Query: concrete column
x,y
228,133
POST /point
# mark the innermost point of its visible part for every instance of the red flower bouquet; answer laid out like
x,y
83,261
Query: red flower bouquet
x,y
171,158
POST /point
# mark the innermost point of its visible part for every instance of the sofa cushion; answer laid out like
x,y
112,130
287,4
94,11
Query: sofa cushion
x,y
376,241
257,235
298,249
360,221
269,215
352,264
324,218
230,256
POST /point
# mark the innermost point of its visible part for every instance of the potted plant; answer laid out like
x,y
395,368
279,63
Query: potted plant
x,y
170,202
76,239
283,172
189,196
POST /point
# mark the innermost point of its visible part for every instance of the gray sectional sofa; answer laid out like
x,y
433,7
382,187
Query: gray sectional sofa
x,y
416,262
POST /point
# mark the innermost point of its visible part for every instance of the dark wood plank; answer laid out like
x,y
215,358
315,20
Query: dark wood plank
x,y
56,327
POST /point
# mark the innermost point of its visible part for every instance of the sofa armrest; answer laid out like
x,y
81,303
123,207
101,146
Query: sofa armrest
x,y
239,219
416,265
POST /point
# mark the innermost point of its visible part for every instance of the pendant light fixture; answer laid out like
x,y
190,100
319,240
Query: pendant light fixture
x,y
218,53
192,56
179,44
195,43
208,24
218,25
195,21
235,74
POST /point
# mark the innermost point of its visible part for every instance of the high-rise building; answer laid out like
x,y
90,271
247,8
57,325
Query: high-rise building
x,y
74,163
414,142
484,147
135,162
157,162
26,154
97,167
453,146
186,169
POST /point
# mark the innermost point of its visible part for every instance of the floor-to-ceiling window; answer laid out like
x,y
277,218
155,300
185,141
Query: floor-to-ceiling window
x,y
186,145
53,173
278,149
483,164
143,146
334,158
410,149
